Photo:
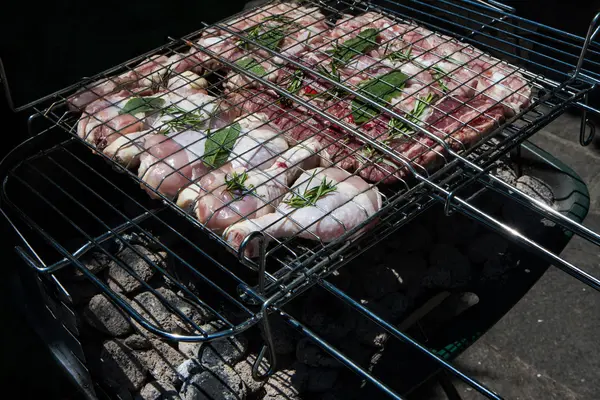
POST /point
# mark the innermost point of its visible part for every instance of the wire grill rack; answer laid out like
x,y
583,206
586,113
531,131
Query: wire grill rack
x,y
430,165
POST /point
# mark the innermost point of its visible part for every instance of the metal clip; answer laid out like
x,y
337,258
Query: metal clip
x,y
585,122
589,38
268,336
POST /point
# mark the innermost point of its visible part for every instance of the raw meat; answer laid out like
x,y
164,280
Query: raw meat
x,y
257,147
351,203
221,207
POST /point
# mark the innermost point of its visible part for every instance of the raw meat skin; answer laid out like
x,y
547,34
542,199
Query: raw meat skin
x,y
334,214
219,208
257,147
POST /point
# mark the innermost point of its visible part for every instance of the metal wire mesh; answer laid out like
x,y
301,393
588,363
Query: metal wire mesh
x,y
309,85
301,77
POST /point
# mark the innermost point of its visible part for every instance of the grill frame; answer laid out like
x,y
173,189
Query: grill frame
x,y
533,119
448,196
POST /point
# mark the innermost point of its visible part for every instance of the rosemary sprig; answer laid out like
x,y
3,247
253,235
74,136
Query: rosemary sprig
x,y
438,74
398,127
283,19
296,81
270,37
373,156
364,42
400,55
333,92
236,184
310,196
183,119
293,87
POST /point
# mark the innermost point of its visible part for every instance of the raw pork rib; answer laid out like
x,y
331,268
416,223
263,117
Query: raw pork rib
x,y
303,27
350,204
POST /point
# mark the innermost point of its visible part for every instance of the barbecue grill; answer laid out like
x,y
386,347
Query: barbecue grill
x,y
67,204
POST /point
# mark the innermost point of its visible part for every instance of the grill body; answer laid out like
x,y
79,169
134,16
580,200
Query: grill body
x,y
54,190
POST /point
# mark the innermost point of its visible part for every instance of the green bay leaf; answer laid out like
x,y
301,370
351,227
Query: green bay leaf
x,y
142,104
381,90
219,144
250,64
362,43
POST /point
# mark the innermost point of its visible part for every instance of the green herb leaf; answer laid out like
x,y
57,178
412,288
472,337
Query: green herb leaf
x,y
283,19
296,82
250,64
397,127
381,90
334,91
183,119
219,144
293,87
270,37
310,196
401,55
142,104
362,43
438,74
236,183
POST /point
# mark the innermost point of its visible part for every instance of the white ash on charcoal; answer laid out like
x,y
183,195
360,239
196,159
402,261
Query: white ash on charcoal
x,y
506,173
95,263
161,361
187,369
134,257
287,384
495,268
151,307
220,382
536,188
192,349
137,342
368,332
195,312
158,391
371,334
375,360
121,369
244,370
103,315
410,267
227,351
520,217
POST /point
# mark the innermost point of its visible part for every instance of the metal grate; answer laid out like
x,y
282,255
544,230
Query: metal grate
x,y
453,119
396,150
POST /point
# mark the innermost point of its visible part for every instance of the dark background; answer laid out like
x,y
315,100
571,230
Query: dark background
x,y
50,45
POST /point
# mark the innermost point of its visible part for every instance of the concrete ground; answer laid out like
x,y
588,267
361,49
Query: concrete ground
x,y
545,347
